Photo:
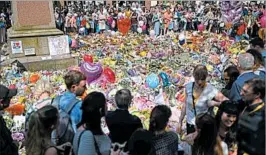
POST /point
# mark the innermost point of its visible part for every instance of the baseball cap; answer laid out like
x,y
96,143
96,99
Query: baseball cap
x,y
7,93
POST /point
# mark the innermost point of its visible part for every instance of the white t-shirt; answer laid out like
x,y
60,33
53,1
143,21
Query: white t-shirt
x,y
201,106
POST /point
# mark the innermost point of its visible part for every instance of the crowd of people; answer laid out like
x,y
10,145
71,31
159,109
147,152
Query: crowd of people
x,y
230,121
161,18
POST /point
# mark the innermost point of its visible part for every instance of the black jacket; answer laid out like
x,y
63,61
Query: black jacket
x,y
251,130
121,125
7,147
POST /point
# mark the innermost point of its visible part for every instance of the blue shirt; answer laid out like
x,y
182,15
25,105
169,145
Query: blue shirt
x,y
239,83
76,112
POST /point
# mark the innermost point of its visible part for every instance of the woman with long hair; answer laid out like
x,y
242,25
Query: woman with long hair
x,y
207,141
90,139
164,142
226,119
41,124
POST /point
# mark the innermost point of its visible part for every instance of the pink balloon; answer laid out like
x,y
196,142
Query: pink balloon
x,y
263,22
92,71
201,27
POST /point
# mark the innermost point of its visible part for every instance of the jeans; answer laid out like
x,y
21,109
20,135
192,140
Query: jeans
x,y
134,28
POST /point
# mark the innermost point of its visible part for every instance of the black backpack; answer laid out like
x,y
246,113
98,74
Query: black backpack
x,y
64,131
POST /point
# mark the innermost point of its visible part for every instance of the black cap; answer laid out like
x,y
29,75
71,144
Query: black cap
x,y
7,93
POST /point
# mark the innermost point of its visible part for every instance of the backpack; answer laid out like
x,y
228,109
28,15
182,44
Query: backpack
x,y
64,132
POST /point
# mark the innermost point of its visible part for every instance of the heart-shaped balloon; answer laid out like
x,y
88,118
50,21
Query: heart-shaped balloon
x,y
88,58
124,25
91,70
109,74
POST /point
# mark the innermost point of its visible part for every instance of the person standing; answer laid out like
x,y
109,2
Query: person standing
x,y
245,67
120,122
134,22
76,85
156,22
251,124
41,124
207,141
7,145
230,75
167,19
226,121
164,142
102,19
200,98
2,28
90,139
67,23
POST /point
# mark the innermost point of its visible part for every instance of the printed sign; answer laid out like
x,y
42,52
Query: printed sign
x,y
58,45
16,47
29,51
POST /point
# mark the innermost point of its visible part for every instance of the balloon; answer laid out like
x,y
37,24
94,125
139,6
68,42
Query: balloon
x,y
82,30
124,25
88,58
91,70
165,79
201,27
231,11
113,33
139,30
152,80
263,22
109,74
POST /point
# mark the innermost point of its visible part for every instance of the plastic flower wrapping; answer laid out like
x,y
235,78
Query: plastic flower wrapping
x,y
155,70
